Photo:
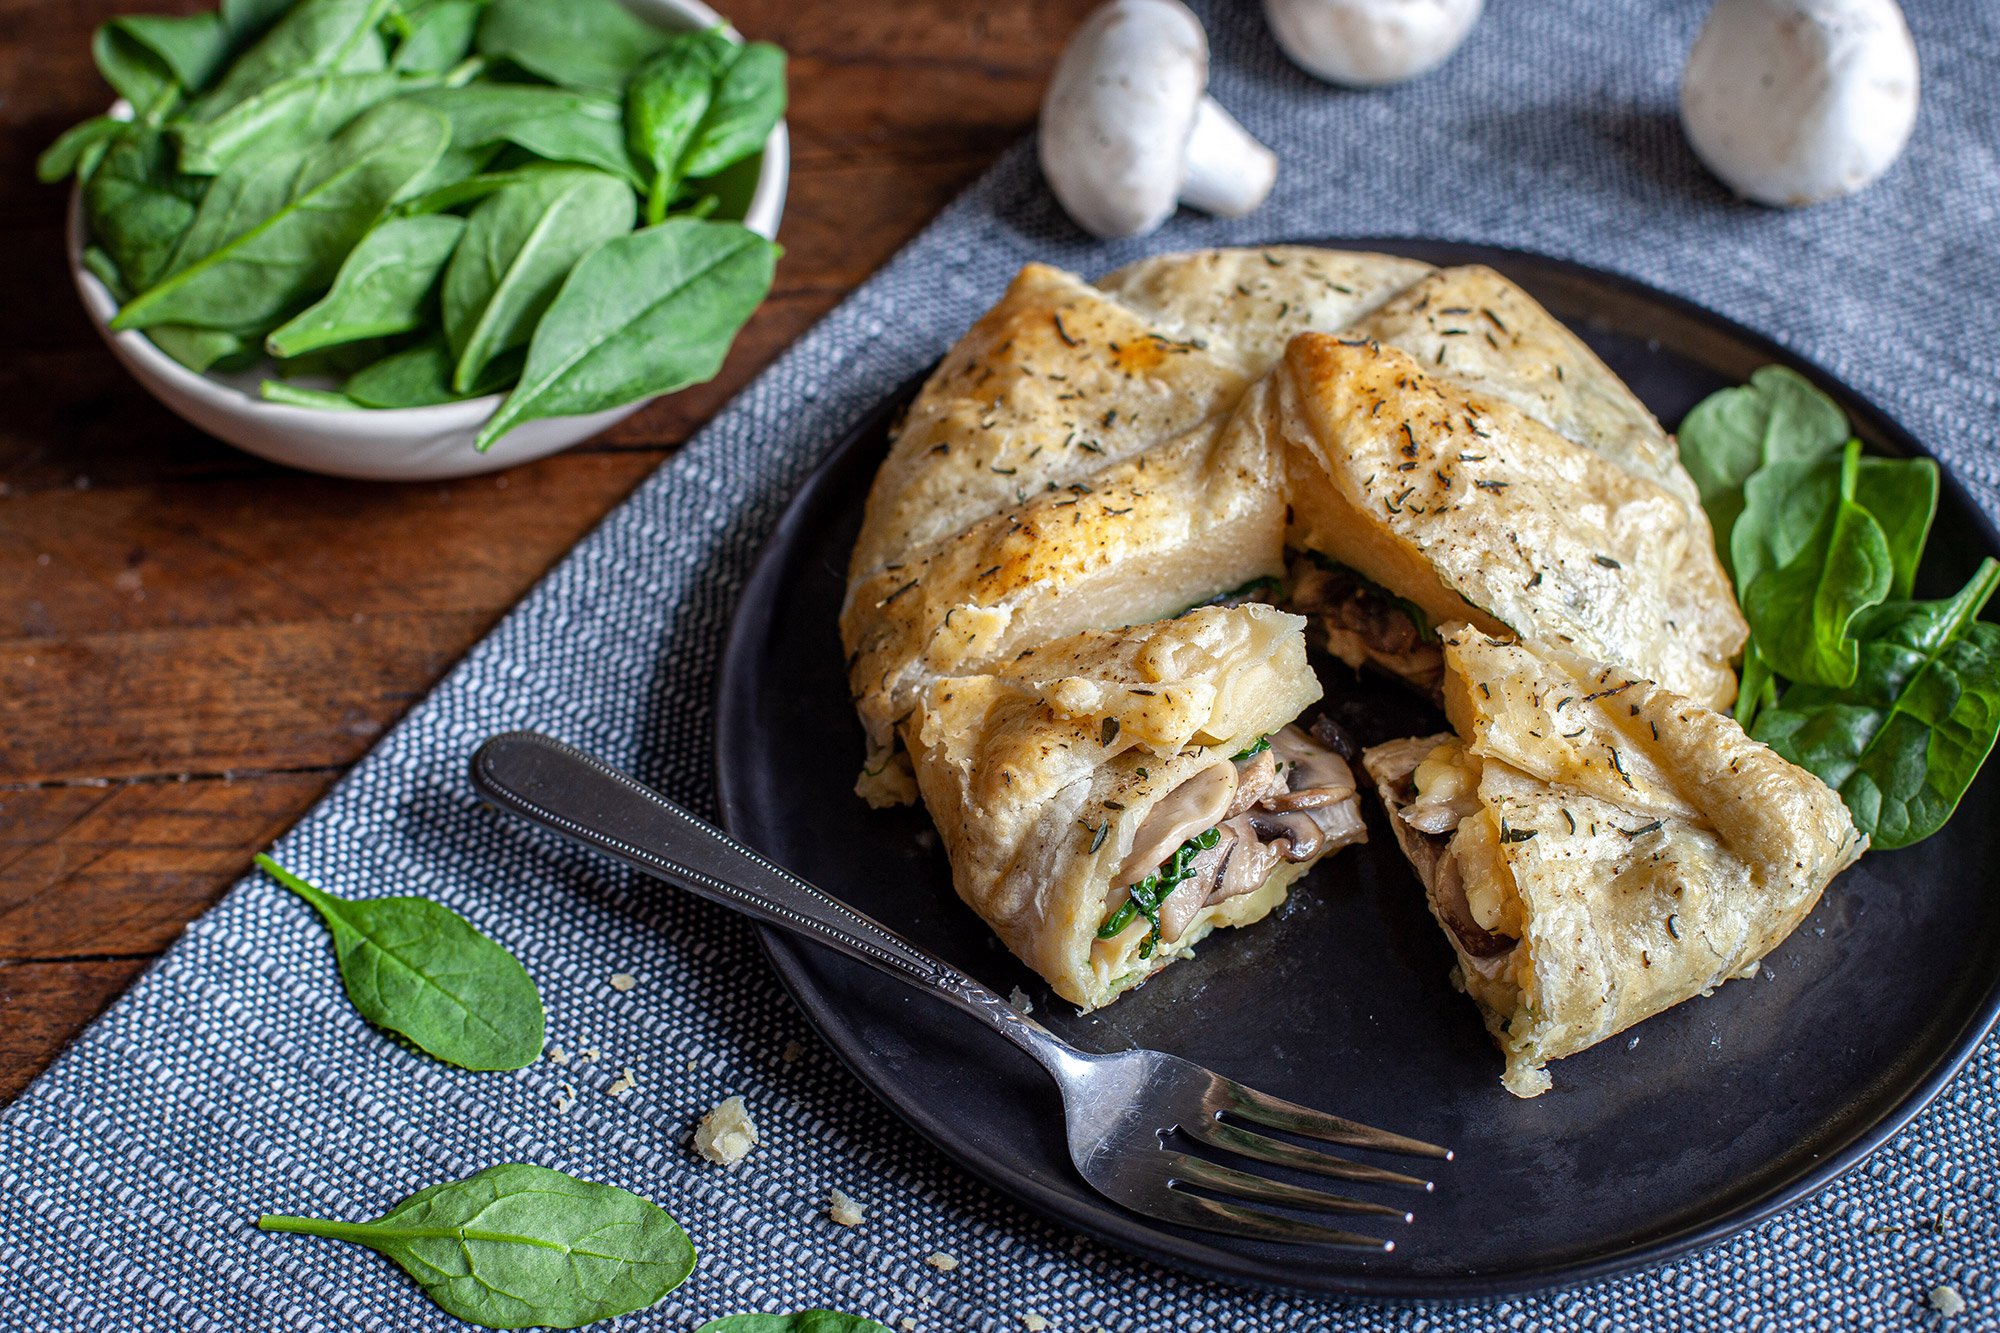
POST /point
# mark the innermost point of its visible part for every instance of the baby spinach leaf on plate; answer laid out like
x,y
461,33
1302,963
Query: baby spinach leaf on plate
x,y
65,157
1756,688
152,59
586,44
436,36
749,102
247,19
519,1246
290,118
312,37
268,243
665,102
100,266
518,246
420,376
1778,415
805,1321
1801,611
642,314
1784,502
383,286
298,395
138,206
205,349
417,967
1903,743
552,123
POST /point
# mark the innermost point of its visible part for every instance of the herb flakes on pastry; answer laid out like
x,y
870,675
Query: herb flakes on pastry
x,y
1110,798
1463,507
1598,848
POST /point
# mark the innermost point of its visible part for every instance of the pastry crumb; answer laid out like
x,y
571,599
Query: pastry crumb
x,y
726,1135
558,1056
842,1209
1946,1300
622,981
1019,999
941,1261
793,1050
566,1098
1034,1323
907,1324
624,1083
589,1055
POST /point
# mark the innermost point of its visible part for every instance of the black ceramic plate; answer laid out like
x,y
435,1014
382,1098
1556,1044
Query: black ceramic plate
x,y
1686,1128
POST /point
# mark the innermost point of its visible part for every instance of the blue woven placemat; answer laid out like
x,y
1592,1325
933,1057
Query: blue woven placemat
x,y
234,1079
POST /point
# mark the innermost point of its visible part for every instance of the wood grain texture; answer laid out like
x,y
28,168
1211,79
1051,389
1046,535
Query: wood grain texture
x,y
194,644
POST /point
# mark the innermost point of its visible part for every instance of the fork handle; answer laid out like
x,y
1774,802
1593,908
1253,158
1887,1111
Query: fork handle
x,y
575,794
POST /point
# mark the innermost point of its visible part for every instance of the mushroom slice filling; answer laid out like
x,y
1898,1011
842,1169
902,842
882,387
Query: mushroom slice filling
x,y
1435,800
1365,624
1224,831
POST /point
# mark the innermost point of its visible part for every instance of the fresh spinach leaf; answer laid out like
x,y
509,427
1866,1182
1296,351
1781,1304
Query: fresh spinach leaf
x,y
420,376
516,1246
665,103
643,314
247,19
1784,502
1756,689
518,246
1801,611
153,60
290,118
552,123
588,44
383,286
805,1321
136,73
417,967
1778,415
205,349
1903,743
298,395
138,206
275,240
100,266
312,37
66,156
436,36
749,102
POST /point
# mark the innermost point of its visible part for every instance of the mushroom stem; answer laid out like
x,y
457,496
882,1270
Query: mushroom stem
x,y
1228,173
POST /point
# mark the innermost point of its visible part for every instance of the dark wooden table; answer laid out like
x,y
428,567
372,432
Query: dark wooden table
x,y
195,644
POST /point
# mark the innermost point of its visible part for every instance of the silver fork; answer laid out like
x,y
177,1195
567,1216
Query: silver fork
x,y
1120,1109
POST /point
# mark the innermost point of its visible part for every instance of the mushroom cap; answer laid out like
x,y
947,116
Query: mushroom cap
x,y
1797,101
1118,113
1368,43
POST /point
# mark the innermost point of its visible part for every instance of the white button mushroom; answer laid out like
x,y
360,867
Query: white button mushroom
x,y
1127,130
1798,101
1368,43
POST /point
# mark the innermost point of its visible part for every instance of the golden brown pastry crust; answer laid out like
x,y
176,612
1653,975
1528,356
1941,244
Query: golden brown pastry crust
x,y
1476,511
1038,797
1654,850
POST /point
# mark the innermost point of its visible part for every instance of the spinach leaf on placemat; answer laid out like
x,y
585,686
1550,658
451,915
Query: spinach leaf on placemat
x,y
518,1246
417,967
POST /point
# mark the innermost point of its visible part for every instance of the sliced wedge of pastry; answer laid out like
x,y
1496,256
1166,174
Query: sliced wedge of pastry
x,y
1426,502
1599,848
1109,798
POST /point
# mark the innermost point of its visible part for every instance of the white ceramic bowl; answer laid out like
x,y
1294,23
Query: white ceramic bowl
x,y
398,444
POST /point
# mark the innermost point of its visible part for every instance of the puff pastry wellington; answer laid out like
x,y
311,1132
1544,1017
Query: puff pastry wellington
x,y
1057,634
1597,847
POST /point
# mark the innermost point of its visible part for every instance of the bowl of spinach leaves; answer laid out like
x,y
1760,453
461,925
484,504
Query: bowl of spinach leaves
x,y
412,239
